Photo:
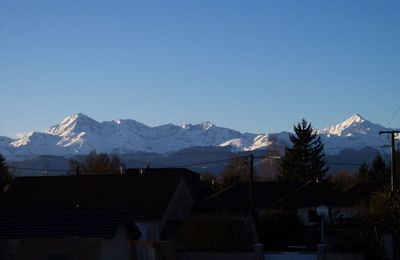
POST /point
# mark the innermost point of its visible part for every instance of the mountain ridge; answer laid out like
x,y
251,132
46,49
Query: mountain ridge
x,y
79,134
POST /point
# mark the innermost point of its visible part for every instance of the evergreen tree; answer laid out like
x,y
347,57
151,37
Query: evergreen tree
x,y
379,170
5,175
305,159
363,173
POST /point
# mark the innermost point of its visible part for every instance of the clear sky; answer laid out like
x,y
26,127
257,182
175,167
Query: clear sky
x,y
255,66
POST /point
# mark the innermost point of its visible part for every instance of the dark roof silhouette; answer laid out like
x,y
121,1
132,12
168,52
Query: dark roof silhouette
x,y
140,196
39,225
91,205
198,189
275,194
363,191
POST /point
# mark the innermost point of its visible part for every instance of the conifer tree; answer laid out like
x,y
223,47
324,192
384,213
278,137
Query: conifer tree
x,y
363,173
305,159
379,170
5,175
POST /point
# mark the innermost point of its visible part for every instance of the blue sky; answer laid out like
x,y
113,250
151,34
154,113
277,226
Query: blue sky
x,y
255,66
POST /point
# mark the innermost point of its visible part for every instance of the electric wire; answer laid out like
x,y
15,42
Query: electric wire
x,y
68,172
394,115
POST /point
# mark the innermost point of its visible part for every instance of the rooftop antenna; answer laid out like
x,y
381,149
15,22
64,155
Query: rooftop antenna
x,y
146,165
122,168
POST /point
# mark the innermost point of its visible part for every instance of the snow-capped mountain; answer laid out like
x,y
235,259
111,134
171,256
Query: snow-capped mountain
x,y
353,133
354,125
79,134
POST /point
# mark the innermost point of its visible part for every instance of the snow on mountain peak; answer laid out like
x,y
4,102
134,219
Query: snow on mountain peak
x,y
353,133
79,134
354,119
73,124
186,126
355,124
206,125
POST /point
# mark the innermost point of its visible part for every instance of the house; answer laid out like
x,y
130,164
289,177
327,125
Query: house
x,y
129,216
285,212
304,197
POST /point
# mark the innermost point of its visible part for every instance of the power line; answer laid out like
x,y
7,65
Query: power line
x,y
205,163
175,166
191,164
392,157
255,157
394,115
35,169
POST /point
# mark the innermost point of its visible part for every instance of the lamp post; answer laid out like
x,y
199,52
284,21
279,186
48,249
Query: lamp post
x,y
323,212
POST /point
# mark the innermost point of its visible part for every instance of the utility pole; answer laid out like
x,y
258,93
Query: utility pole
x,y
258,247
392,157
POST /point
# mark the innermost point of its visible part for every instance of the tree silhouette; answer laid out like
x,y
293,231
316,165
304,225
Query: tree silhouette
x,y
379,170
363,173
305,159
5,175
95,163
236,171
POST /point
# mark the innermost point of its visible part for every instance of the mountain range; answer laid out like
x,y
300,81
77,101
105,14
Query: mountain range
x,y
79,134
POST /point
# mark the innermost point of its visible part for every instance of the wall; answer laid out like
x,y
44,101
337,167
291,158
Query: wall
x,y
154,250
178,209
312,256
291,256
119,247
187,255
149,230
41,248
344,256
180,205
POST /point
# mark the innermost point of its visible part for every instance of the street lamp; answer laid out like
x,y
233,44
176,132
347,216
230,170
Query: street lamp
x,y
323,212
